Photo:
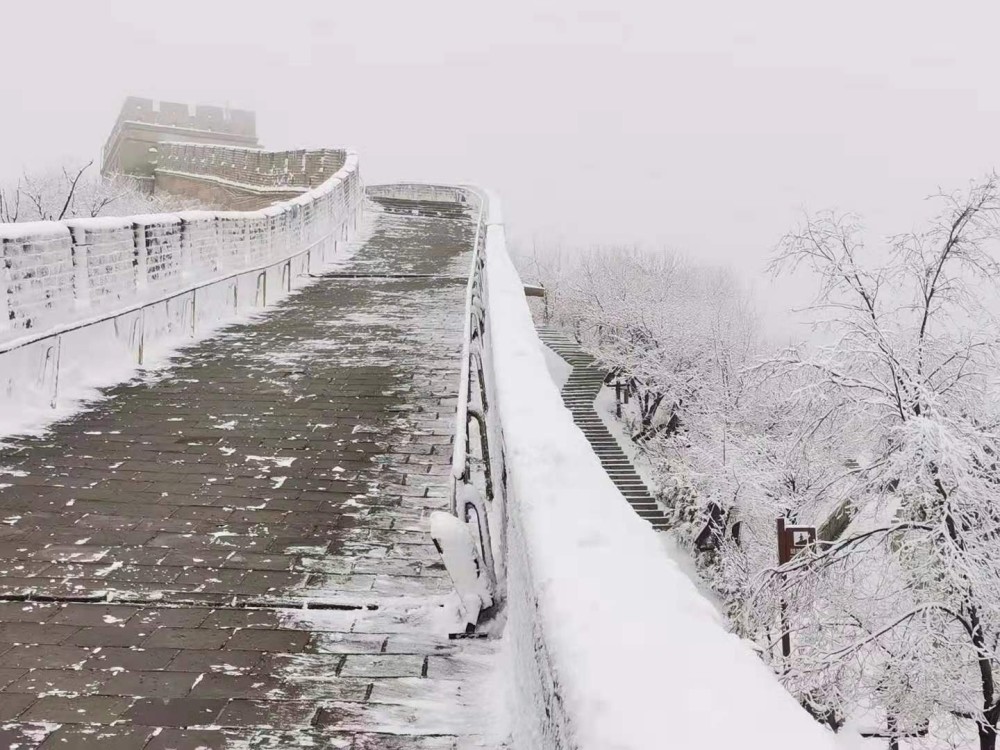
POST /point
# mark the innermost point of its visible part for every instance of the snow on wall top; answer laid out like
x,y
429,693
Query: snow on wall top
x,y
266,170
639,658
58,273
36,230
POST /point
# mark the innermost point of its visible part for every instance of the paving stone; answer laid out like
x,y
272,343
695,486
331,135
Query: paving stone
x,y
348,643
97,738
141,659
13,705
190,638
383,665
41,682
174,617
194,739
242,618
150,684
222,685
258,713
27,612
93,709
83,615
215,661
30,632
176,712
391,718
108,635
24,736
45,657
285,641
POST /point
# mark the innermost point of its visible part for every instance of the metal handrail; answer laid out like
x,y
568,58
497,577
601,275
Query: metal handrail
x,y
459,458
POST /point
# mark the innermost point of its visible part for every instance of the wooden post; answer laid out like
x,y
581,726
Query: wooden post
x,y
784,555
791,541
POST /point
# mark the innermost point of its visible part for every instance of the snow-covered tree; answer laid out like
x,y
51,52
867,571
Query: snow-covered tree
x,y
71,192
901,614
883,431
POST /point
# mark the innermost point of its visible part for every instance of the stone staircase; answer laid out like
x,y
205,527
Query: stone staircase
x,y
578,394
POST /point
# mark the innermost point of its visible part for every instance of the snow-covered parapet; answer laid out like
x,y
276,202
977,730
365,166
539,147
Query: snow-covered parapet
x,y
611,645
54,271
36,275
82,302
279,171
422,191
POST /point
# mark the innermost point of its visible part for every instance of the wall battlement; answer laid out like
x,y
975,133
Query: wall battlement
x,y
230,178
144,123
209,154
201,117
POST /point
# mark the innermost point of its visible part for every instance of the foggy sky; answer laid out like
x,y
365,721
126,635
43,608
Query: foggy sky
x,y
699,126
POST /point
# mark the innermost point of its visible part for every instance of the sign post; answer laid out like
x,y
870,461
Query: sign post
x,y
791,541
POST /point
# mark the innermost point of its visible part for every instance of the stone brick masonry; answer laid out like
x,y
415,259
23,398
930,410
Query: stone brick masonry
x,y
157,552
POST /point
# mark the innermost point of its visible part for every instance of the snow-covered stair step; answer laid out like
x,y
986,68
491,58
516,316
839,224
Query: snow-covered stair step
x,y
579,392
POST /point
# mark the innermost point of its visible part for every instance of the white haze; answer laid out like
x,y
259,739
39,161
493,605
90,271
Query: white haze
x,y
702,127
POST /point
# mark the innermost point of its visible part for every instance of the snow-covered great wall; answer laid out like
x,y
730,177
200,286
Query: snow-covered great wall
x,y
610,645
84,300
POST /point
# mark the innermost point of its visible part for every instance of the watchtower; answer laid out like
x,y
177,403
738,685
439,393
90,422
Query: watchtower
x,y
142,123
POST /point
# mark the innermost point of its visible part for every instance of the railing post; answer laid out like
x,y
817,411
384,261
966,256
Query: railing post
x,y
55,384
260,295
194,311
142,333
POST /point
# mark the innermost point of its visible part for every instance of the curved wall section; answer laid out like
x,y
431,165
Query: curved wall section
x,y
124,286
241,178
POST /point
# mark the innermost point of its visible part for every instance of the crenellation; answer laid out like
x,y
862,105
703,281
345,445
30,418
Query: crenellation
x,y
142,124
174,113
231,177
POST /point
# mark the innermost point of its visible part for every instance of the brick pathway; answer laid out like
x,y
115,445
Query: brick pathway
x,y
234,555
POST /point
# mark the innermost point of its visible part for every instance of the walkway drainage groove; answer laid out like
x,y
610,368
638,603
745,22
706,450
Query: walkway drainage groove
x,y
579,393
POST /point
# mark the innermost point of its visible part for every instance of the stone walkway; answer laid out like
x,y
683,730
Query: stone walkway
x,y
234,554
579,393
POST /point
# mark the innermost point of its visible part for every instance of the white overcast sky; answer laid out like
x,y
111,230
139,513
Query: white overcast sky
x,y
702,126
